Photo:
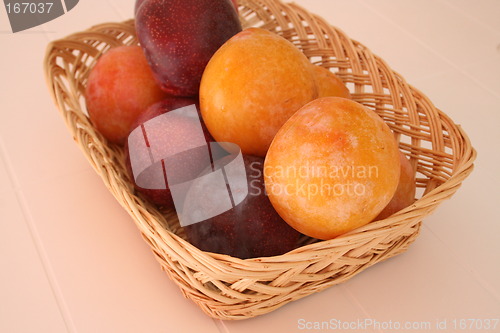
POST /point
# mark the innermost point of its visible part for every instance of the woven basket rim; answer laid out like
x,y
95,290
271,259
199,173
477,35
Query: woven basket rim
x,y
154,231
460,174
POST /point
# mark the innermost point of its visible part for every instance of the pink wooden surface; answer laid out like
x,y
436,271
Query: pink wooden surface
x,y
72,260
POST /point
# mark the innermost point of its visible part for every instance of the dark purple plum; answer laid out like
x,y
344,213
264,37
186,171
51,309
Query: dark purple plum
x,y
165,137
250,229
138,3
180,36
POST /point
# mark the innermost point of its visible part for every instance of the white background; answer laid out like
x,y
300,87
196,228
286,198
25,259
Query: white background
x,y
71,259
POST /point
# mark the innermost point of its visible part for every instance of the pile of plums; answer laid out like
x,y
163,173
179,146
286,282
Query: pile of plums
x,y
310,159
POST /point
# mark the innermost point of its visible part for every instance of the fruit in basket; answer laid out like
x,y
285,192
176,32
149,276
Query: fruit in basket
x,y
328,84
250,229
405,193
251,86
119,88
180,36
166,138
332,167
235,3
139,2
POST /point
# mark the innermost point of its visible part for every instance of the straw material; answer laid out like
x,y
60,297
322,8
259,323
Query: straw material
x,y
230,288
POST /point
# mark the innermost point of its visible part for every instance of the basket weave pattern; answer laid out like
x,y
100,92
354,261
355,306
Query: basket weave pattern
x,y
230,288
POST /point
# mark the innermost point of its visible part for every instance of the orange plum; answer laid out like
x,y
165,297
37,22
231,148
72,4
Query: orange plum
x,y
329,85
405,193
251,86
332,167
120,87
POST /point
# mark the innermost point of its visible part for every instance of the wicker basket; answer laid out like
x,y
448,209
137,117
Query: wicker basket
x,y
230,288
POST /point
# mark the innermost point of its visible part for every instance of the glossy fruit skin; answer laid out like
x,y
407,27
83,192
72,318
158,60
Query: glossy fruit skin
x,y
332,167
119,88
251,229
405,193
328,84
138,3
235,4
251,86
163,197
180,36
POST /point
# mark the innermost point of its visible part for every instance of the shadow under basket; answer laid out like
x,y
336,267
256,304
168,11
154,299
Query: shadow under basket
x,y
231,288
